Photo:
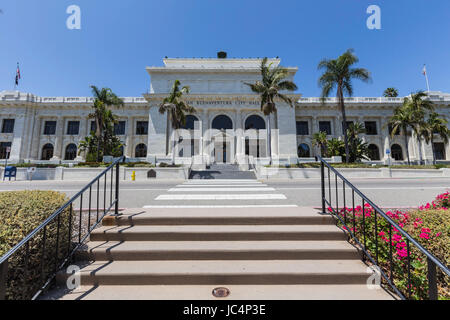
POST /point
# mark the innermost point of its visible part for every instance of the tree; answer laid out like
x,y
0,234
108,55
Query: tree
x,y
106,144
390,93
270,89
176,110
104,99
338,74
320,140
402,119
435,125
358,148
419,106
335,148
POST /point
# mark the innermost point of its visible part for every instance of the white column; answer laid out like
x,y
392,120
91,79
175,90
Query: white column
x,y
36,138
157,124
16,146
129,138
361,121
315,126
58,138
287,139
239,133
386,137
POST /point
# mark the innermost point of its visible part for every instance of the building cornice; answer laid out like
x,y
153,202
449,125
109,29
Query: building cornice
x,y
158,97
164,70
27,99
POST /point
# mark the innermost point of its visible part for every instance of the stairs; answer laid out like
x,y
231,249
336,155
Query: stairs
x,y
258,253
223,171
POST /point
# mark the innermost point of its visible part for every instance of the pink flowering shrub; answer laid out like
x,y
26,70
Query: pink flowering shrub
x,y
430,226
442,201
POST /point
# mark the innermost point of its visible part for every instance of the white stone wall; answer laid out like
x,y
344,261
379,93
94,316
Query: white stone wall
x,y
217,88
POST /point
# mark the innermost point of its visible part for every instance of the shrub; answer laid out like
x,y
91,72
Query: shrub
x,y
431,228
20,213
442,201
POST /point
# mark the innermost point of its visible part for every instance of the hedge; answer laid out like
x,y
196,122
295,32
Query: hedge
x,y
20,213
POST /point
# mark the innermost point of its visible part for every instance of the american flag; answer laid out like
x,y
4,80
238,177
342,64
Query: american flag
x,y
17,74
424,71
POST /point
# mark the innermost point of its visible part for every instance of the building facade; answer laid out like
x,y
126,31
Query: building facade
x,y
227,127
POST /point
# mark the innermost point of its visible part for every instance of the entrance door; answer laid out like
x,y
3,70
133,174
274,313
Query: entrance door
x,y
221,152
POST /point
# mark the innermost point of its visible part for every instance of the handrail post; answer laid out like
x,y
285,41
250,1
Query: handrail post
x,y
116,209
322,178
3,279
432,280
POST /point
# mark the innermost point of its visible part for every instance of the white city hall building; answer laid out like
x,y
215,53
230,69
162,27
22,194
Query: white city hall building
x,y
228,126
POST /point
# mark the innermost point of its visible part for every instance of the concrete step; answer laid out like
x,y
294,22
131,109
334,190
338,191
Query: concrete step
x,y
220,216
217,233
238,292
217,250
222,272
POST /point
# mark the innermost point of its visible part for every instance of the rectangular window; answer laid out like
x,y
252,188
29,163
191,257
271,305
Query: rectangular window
x,y
439,151
119,128
8,126
73,128
142,128
325,126
302,128
93,126
390,130
348,125
371,128
3,150
50,128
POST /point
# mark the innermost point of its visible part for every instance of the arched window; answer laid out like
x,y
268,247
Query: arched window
x,y
71,152
374,152
255,122
304,151
190,122
396,152
47,152
141,151
222,122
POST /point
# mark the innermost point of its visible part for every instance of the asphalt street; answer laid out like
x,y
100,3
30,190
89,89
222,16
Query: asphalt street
x,y
386,193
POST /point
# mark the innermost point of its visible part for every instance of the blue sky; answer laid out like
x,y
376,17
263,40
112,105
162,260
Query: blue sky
x,y
119,38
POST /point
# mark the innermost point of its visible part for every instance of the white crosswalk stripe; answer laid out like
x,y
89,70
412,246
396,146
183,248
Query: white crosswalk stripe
x,y
213,189
222,197
216,193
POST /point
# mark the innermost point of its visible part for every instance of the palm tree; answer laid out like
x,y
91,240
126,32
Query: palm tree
x,y
338,73
176,110
335,147
273,82
390,93
400,122
419,107
103,99
320,140
435,125
353,132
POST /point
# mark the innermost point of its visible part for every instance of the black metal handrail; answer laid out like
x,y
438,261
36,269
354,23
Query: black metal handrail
x,y
432,261
68,207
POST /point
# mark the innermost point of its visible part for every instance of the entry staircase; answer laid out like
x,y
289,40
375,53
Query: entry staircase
x,y
222,171
257,253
